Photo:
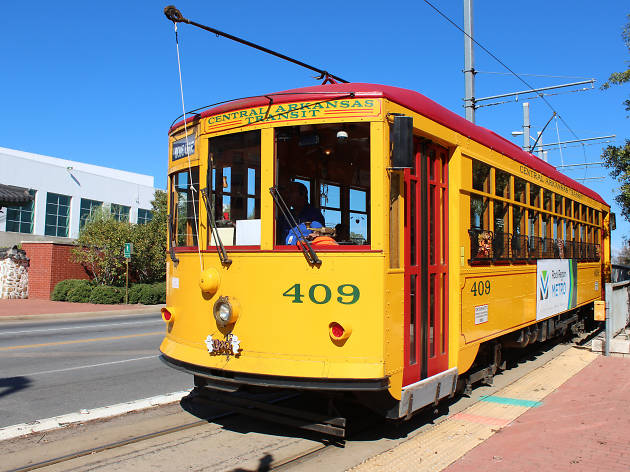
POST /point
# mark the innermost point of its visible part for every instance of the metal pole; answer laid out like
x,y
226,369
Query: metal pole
x,y
541,153
127,283
608,294
526,126
469,61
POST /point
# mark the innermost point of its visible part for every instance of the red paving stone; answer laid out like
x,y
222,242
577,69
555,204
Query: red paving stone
x,y
41,307
583,426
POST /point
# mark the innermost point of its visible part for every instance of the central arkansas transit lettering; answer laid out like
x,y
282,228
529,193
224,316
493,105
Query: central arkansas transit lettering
x,y
548,181
295,111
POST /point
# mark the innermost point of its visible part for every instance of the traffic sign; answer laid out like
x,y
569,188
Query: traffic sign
x,y
128,250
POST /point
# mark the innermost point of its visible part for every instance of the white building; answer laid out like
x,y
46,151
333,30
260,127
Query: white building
x,y
64,194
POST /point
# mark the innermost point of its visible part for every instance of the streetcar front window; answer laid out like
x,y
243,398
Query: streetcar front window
x,y
323,174
234,188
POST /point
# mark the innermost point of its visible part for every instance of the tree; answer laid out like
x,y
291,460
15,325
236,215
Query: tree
x,y
148,263
617,158
100,246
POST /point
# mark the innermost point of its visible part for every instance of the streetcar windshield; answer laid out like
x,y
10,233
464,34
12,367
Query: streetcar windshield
x,y
234,188
323,173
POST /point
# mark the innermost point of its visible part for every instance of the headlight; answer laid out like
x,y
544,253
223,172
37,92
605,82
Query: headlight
x,y
225,311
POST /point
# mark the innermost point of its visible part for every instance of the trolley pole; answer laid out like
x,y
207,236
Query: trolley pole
x,y
469,61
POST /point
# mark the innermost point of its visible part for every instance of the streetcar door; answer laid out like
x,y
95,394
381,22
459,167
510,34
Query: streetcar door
x,y
426,263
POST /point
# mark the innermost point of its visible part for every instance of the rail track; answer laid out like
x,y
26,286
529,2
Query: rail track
x,y
198,402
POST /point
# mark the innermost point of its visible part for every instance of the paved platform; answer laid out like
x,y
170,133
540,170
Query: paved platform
x,y
33,308
569,415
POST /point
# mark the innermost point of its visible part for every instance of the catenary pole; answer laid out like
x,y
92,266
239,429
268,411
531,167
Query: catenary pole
x,y
469,61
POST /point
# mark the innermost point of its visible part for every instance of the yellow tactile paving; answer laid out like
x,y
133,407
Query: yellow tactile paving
x,y
458,434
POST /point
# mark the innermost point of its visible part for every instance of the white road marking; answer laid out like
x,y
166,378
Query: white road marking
x,y
101,325
86,366
10,432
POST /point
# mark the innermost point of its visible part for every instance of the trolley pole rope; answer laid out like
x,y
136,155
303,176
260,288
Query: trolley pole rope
x,y
173,14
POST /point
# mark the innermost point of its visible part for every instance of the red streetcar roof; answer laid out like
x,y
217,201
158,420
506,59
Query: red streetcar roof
x,y
413,101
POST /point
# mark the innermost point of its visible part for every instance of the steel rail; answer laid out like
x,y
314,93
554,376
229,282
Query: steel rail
x,y
132,440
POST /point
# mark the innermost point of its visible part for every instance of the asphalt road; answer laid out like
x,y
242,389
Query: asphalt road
x,y
51,368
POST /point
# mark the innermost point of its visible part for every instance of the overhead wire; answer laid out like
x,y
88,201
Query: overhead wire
x,y
502,63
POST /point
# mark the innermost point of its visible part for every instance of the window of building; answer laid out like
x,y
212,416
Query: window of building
x,y
88,207
568,207
144,216
120,212
20,219
57,215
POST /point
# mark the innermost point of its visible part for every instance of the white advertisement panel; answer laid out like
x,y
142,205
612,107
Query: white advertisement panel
x,y
556,286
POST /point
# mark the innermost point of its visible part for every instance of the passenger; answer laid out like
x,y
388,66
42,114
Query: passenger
x,y
341,233
302,210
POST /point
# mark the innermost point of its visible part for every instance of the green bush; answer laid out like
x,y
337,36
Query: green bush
x,y
80,292
60,292
160,288
134,293
148,294
104,294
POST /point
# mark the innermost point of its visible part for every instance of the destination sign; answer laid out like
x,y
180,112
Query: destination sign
x,y
295,112
183,147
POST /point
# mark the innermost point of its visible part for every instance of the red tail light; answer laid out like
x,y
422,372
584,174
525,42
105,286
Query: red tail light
x,y
337,330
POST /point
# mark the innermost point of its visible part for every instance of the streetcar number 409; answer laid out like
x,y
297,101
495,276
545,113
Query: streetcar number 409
x,y
321,294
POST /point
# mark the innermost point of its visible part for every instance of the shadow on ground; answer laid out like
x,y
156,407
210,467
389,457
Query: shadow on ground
x,y
11,385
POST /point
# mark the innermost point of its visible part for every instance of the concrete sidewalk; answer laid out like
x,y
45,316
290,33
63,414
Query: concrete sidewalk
x,y
569,415
40,309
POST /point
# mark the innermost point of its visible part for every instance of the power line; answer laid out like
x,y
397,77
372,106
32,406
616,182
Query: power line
x,y
500,62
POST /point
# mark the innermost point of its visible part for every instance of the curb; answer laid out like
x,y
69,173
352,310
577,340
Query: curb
x,y
148,309
82,416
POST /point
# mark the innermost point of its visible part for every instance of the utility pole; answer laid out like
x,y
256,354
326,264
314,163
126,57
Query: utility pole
x,y
526,126
469,61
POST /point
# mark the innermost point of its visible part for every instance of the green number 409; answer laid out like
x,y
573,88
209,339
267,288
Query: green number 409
x,y
321,294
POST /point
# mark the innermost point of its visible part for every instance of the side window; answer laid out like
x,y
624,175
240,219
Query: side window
x,y
184,208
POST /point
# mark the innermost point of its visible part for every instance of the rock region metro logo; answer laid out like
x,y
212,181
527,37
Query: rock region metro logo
x,y
544,285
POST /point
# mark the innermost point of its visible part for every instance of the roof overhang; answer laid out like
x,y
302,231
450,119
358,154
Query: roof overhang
x,y
11,196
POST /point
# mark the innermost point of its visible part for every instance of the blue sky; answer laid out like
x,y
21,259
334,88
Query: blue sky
x,y
97,82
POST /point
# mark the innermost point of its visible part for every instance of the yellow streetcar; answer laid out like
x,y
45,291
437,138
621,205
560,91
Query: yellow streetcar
x,y
362,239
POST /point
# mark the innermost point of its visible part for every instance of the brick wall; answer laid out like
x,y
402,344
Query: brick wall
x,y
50,263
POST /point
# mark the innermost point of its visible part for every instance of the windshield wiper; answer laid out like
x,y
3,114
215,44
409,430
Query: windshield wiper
x,y
225,260
307,249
